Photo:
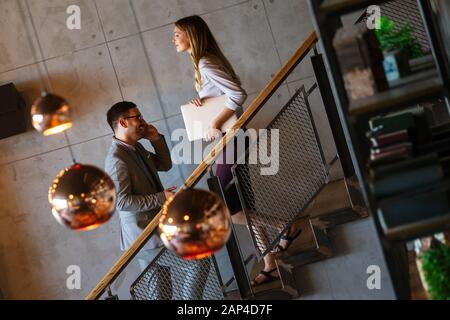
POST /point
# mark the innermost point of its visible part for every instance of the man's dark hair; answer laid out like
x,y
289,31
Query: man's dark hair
x,y
118,110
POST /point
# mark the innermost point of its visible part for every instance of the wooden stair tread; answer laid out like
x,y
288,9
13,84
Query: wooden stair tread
x,y
272,285
305,240
333,197
312,245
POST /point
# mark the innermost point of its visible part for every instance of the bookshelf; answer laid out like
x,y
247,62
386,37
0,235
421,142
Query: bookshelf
x,y
423,85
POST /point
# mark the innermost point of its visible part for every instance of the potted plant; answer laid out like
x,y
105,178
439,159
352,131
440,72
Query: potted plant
x,y
435,263
398,47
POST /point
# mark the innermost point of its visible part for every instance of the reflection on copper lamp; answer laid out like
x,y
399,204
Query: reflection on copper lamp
x,y
83,197
195,223
50,114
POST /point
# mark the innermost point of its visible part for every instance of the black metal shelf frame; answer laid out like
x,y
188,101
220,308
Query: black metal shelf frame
x,y
326,16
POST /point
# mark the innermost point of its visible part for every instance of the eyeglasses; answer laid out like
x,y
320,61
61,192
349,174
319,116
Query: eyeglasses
x,y
138,116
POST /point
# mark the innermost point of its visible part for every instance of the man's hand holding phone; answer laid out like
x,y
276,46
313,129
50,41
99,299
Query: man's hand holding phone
x,y
151,133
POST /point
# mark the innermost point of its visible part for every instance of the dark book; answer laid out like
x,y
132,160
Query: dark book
x,y
389,138
402,166
403,181
413,209
390,156
390,124
391,147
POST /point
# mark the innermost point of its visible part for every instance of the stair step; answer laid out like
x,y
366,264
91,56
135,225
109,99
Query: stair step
x,y
282,288
358,203
312,245
338,202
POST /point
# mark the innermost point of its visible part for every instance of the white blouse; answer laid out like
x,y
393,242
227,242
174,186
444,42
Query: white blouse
x,y
216,82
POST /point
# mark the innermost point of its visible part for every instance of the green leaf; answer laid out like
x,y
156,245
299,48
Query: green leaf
x,y
436,267
402,39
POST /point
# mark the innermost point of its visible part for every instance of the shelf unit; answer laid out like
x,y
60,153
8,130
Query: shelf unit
x,y
414,89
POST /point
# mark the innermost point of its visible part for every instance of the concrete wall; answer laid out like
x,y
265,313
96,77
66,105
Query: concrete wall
x,y
95,67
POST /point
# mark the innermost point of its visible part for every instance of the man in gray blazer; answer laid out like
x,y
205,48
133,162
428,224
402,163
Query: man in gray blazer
x,y
134,171
140,194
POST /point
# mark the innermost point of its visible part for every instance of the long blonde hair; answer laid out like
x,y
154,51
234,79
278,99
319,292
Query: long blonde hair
x,y
203,43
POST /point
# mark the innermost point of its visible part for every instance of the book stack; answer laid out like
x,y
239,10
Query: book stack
x,y
406,185
391,138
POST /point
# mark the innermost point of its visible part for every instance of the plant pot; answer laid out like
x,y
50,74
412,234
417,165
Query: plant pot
x,y
396,64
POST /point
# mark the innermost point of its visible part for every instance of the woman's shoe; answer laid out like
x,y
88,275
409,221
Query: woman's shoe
x,y
268,277
289,239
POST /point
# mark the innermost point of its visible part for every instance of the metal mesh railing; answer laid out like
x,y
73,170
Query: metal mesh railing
x,y
169,277
272,202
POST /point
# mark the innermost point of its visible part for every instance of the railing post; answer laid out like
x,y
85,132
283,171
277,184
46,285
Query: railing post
x,y
332,114
233,249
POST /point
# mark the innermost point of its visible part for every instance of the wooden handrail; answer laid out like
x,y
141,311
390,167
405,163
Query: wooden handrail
x,y
201,169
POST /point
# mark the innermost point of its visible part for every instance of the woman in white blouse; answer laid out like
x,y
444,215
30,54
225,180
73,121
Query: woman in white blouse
x,y
214,76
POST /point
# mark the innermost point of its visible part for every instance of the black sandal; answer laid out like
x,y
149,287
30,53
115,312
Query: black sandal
x,y
267,276
279,248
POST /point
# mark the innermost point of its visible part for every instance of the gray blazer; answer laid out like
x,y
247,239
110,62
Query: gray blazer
x,y
140,193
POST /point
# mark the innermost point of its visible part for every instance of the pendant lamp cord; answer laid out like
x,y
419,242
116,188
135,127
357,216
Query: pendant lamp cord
x,y
70,147
33,49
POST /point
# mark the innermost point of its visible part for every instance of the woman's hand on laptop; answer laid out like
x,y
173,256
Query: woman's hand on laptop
x,y
212,133
196,102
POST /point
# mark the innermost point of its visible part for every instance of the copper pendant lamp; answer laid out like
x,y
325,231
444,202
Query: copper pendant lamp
x,y
83,197
50,114
195,223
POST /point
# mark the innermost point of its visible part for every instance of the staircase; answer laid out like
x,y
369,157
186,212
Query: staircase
x,y
324,204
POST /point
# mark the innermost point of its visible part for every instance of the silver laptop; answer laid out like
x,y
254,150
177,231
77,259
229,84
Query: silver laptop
x,y
198,119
